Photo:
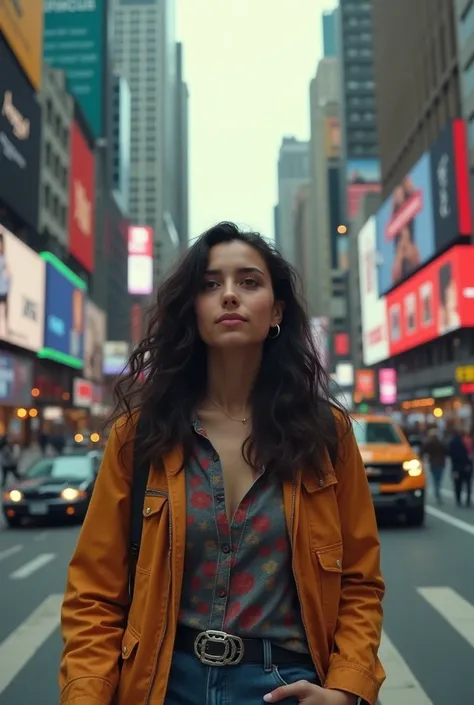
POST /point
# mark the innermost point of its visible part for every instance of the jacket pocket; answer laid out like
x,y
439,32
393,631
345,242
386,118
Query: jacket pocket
x,y
330,571
127,682
129,644
155,528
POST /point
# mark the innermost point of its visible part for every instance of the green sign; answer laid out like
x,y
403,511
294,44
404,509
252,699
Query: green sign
x,y
73,41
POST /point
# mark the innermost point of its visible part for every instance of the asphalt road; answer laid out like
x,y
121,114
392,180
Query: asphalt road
x,y
428,643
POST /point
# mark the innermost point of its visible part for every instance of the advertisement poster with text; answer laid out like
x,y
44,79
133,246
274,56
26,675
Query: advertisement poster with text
x,y
405,227
20,130
362,177
373,313
65,316
22,286
22,25
81,200
437,300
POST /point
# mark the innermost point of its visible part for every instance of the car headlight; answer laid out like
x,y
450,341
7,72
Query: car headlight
x,y
413,467
70,494
13,496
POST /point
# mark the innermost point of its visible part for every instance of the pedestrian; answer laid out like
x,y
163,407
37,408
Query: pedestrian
x,y
436,452
258,571
461,463
9,456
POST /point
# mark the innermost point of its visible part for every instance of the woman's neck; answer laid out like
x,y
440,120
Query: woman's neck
x,y
231,375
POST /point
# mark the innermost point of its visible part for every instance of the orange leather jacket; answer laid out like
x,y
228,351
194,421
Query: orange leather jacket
x,y
118,655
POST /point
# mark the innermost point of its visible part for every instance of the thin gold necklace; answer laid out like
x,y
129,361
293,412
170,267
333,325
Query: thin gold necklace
x,y
242,421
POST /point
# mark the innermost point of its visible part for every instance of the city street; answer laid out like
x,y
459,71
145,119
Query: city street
x,y
428,647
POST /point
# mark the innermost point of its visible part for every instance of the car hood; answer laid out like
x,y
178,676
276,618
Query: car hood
x,y
51,483
386,453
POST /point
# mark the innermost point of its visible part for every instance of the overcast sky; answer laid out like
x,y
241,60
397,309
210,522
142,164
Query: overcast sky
x,y
248,65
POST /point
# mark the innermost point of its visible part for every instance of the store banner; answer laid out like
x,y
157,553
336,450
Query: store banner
x,y
21,22
437,300
94,338
81,199
16,380
20,134
65,314
22,290
375,343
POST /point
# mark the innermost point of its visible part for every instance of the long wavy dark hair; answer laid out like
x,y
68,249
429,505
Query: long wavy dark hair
x,y
167,372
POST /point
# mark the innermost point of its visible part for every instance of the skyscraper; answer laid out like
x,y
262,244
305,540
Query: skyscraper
x,y
293,173
145,53
329,34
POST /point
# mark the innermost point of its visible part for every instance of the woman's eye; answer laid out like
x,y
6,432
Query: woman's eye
x,y
250,282
209,285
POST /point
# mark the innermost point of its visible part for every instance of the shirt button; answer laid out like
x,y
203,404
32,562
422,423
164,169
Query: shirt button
x,y
147,510
226,548
220,498
124,650
222,592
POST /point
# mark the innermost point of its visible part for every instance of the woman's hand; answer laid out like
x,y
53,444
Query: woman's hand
x,y
310,694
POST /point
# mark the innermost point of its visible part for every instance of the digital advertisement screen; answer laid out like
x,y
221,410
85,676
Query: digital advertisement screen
x,y
95,337
388,385
427,211
435,301
140,262
373,313
20,131
405,227
64,315
22,24
16,380
22,289
81,200
362,176
74,41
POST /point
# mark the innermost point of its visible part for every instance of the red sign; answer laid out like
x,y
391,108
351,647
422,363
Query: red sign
x,y
83,393
355,194
140,240
434,301
365,383
341,344
81,200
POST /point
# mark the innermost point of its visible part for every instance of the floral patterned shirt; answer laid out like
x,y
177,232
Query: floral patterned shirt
x,y
238,578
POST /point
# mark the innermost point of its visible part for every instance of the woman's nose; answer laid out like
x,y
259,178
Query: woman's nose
x,y
230,298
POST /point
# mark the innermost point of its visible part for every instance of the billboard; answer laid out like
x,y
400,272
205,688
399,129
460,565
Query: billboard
x,y
20,132
95,335
364,385
388,385
22,287
362,176
427,211
74,41
450,185
140,260
116,354
375,344
332,137
436,300
64,315
81,200
16,380
22,25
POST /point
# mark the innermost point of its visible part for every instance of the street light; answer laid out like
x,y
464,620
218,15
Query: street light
x,y
342,229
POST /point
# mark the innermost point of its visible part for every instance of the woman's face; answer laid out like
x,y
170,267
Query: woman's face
x,y
451,299
236,306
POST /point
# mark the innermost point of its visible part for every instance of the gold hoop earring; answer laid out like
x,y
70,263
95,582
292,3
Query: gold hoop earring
x,y
277,333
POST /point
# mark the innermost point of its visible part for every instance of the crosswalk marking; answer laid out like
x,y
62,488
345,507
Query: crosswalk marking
x,y
32,566
24,642
457,611
401,686
448,519
10,552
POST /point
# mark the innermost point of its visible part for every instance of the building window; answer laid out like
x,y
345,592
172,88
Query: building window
x,y
466,26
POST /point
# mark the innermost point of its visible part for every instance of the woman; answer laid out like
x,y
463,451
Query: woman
x,y
258,576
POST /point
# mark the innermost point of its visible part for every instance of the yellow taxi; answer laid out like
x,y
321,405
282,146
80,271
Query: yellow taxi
x,y
394,471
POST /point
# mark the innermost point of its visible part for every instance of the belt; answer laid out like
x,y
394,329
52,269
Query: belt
x,y
215,648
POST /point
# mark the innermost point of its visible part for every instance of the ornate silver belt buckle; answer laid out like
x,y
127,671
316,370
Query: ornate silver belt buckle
x,y
232,648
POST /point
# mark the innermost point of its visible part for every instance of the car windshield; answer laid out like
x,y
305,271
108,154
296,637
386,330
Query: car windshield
x,y
367,432
73,467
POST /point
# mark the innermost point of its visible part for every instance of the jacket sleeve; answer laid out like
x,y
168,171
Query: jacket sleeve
x,y
354,665
95,605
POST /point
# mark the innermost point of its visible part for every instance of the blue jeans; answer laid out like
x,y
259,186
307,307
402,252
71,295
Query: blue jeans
x,y
437,472
192,683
